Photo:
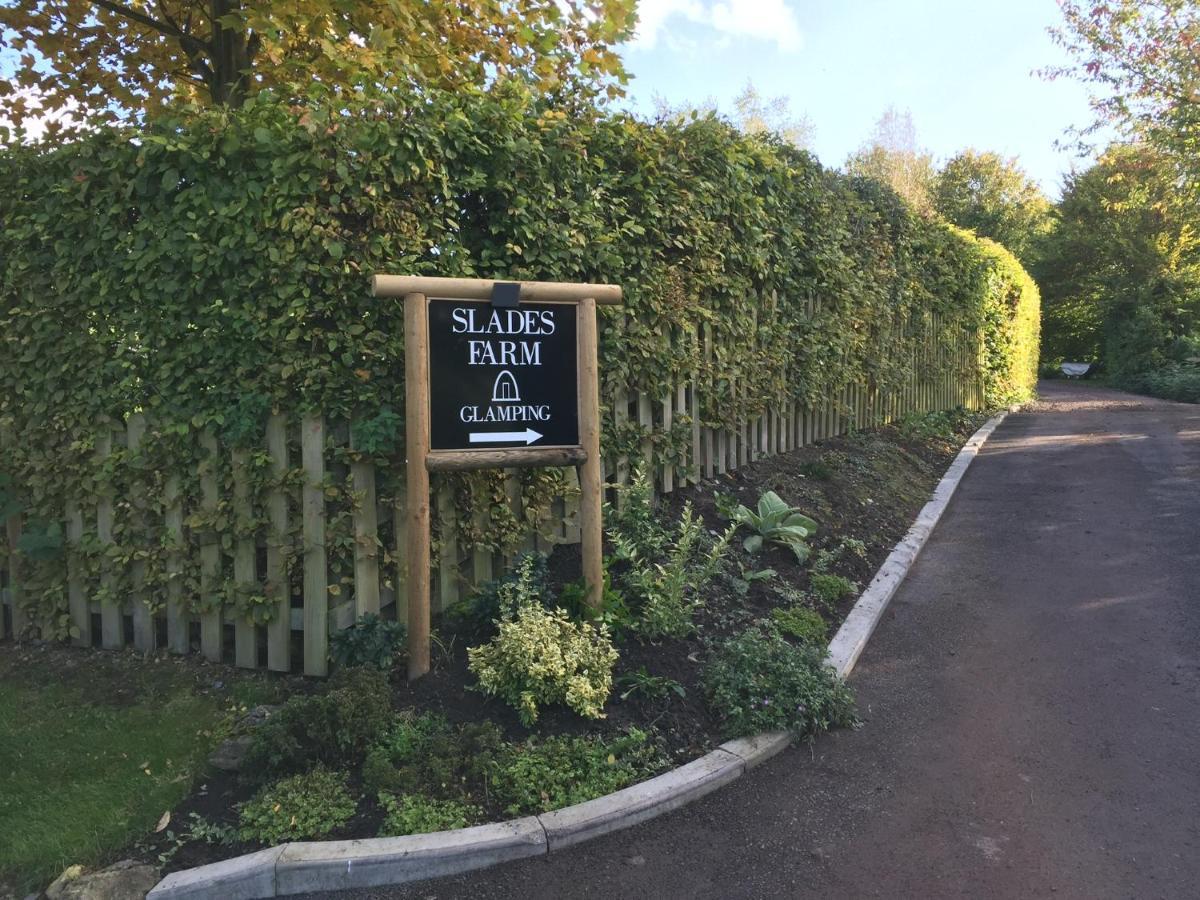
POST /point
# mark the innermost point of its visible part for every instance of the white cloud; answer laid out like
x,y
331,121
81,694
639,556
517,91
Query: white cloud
x,y
766,20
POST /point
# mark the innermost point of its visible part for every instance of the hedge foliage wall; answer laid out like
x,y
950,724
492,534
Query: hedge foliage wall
x,y
209,271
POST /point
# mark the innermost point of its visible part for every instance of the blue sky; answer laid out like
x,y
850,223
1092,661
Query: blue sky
x,y
964,68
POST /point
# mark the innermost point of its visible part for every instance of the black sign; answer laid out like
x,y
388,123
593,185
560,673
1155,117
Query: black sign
x,y
502,378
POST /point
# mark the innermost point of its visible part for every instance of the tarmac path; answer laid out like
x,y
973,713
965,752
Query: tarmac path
x,y
1031,703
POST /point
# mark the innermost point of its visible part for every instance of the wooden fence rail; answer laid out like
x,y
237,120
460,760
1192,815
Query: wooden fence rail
x,y
275,545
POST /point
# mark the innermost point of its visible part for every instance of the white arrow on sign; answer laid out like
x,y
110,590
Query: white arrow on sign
x,y
505,437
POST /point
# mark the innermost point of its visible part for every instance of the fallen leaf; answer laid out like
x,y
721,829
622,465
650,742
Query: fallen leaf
x,y
163,822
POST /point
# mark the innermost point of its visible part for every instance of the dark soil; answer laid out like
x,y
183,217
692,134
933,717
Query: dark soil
x,y
868,486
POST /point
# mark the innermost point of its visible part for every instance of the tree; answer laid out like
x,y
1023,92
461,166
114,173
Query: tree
x,y
756,114
115,59
1121,274
1142,58
891,155
752,114
995,198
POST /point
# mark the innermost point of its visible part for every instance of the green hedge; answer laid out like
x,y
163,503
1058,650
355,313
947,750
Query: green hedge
x,y
208,270
1177,382
192,266
1012,327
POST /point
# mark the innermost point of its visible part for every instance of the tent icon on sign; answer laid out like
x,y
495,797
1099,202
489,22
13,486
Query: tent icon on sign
x,y
505,389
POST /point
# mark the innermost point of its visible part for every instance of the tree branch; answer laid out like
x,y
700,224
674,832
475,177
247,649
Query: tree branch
x,y
165,28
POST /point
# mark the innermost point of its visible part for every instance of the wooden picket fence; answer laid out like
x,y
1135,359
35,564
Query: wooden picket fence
x,y
297,636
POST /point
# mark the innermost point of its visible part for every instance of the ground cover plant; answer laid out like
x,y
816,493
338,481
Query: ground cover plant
x,y
758,681
298,808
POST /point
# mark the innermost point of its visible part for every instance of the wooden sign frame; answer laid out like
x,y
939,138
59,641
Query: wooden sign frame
x,y
416,292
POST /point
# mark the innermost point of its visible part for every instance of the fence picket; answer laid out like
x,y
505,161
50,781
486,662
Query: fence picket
x,y
646,420
245,574
177,623
278,583
12,529
621,419
400,554
144,637
112,629
481,556
211,638
366,537
447,517
668,420
316,563
81,617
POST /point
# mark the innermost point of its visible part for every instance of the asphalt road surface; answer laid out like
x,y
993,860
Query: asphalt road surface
x,y
1030,703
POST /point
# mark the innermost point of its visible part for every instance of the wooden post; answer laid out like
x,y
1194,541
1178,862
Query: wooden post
x,y
590,522
416,396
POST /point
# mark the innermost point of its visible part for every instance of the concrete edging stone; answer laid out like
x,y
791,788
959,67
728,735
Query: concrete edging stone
x,y
304,867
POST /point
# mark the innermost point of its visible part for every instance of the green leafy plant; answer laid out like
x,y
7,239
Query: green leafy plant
x,y
211,833
379,434
941,425
424,754
528,581
635,518
41,541
541,775
817,470
726,505
414,814
297,808
746,577
371,642
800,622
335,727
1172,382
614,609
540,656
643,685
758,681
775,522
664,570
829,589
824,560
